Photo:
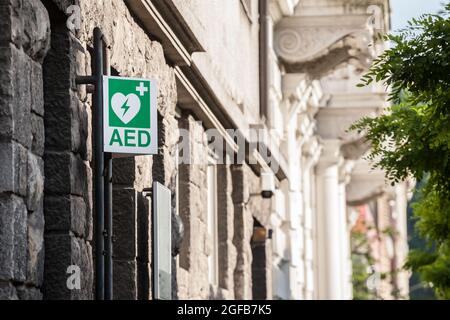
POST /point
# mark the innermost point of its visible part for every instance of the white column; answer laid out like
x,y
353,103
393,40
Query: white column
x,y
311,152
308,233
329,232
345,255
294,200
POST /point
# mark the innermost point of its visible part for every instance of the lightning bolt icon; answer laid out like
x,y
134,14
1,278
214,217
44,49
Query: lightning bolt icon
x,y
125,107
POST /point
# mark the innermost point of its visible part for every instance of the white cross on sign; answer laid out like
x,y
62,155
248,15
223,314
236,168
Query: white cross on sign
x,y
142,89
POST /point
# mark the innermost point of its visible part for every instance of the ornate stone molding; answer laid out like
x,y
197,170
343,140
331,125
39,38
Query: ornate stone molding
x,y
331,154
286,6
282,8
333,123
311,150
163,20
317,44
366,184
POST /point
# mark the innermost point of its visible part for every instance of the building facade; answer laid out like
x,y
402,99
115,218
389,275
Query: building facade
x,y
286,69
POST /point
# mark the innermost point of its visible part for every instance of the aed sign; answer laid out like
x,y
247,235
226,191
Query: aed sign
x,y
130,116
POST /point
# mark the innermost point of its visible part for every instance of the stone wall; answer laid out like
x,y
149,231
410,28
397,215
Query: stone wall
x,y
45,133
231,66
131,228
133,54
227,250
46,205
193,261
260,281
68,173
243,230
235,223
24,41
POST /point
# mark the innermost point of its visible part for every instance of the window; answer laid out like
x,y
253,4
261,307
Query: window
x,y
213,258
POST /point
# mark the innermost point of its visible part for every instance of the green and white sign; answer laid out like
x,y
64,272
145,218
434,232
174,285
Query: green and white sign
x,y
130,115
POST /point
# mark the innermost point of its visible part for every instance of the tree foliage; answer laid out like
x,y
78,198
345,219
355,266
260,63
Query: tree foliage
x,y
413,137
361,261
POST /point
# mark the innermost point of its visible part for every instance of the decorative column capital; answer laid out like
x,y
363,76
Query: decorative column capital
x,y
366,183
318,44
330,156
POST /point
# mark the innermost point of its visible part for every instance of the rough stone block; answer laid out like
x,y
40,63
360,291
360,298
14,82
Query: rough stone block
x,y
89,150
227,262
37,88
35,265
193,151
64,213
82,71
81,256
63,251
35,192
58,66
143,169
20,92
243,227
79,172
36,29
64,167
87,279
8,292
57,213
241,224
26,293
58,257
57,120
125,280
177,234
11,22
13,168
13,238
79,131
78,215
227,252
125,223
57,173
143,228
6,91
143,280
184,190
239,185
124,171
21,102
38,135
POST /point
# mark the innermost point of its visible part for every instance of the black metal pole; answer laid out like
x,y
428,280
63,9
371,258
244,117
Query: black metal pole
x,y
108,228
108,199
99,167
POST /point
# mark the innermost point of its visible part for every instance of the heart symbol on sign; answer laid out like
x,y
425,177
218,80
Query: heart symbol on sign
x,y
125,107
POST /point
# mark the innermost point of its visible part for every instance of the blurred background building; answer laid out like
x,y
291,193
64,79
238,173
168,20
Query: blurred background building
x,y
326,47
333,228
